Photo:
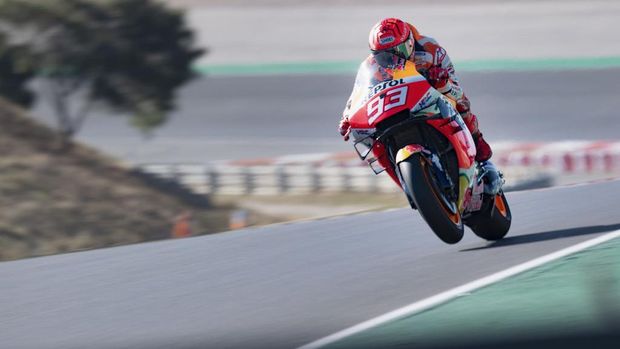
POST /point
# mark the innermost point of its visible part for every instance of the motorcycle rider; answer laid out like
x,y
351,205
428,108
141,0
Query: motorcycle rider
x,y
431,60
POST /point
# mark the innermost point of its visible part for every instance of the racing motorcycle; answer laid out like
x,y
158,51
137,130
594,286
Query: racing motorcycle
x,y
401,124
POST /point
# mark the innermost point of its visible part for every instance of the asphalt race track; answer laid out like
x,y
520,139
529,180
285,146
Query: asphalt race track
x,y
278,286
283,286
223,118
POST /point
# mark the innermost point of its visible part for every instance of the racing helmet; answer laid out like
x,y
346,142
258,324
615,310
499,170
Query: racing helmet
x,y
389,37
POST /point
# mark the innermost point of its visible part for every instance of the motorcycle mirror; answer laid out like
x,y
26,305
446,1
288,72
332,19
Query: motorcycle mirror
x,y
363,146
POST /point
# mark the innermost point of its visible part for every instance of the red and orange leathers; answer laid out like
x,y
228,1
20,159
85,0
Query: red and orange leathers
x,y
428,54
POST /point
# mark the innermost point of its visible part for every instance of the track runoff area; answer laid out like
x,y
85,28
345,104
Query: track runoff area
x,y
549,301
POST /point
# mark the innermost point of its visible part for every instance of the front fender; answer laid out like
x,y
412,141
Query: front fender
x,y
405,152
464,178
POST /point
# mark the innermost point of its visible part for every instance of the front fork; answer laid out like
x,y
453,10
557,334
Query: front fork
x,y
443,180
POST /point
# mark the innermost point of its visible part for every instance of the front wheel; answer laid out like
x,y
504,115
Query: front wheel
x,y
439,213
494,219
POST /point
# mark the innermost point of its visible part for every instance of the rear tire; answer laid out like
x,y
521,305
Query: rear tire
x,y
494,220
423,190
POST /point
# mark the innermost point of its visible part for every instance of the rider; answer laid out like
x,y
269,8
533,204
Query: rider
x,y
432,61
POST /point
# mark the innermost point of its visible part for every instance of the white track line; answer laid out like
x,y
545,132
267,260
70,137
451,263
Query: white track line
x,y
455,292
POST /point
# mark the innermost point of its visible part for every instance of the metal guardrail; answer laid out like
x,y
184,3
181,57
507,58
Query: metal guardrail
x,y
294,179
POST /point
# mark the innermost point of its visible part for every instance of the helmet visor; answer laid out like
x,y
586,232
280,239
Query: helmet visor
x,y
403,50
388,60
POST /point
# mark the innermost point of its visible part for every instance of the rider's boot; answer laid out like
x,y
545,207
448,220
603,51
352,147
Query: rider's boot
x,y
493,179
483,149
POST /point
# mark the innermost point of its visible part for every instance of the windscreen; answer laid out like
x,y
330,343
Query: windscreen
x,y
378,73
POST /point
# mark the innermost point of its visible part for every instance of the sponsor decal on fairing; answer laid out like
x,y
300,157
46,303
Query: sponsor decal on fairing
x,y
392,83
426,101
382,103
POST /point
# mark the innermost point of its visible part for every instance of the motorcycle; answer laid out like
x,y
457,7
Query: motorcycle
x,y
401,124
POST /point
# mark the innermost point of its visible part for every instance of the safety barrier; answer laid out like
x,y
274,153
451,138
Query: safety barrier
x,y
295,179
566,157
522,164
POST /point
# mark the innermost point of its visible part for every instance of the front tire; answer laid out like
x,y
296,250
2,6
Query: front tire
x,y
421,186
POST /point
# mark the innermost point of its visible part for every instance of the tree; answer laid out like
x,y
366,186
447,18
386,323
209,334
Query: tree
x,y
128,56
16,70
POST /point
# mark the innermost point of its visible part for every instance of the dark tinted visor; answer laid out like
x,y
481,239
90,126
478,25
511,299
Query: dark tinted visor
x,y
388,59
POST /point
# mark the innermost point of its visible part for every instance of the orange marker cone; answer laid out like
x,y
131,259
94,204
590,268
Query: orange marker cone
x,y
182,226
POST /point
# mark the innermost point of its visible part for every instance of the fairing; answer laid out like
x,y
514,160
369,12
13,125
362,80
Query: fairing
x,y
381,92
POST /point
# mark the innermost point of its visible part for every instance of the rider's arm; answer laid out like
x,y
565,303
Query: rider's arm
x,y
451,89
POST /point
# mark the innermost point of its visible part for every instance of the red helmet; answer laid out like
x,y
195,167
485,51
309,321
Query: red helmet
x,y
393,36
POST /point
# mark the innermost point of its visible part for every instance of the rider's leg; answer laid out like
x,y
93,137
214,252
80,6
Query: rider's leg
x,y
483,149
492,178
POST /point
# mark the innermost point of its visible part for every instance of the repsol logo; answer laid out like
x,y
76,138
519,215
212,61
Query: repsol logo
x,y
382,86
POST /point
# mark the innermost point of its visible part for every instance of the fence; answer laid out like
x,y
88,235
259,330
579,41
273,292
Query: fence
x,y
524,165
295,179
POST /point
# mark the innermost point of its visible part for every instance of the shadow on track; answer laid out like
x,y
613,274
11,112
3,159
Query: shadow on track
x,y
547,235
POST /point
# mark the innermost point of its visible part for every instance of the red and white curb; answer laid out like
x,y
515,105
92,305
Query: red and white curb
x,y
563,157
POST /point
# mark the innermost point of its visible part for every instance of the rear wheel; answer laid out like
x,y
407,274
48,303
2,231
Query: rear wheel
x,y
441,214
493,221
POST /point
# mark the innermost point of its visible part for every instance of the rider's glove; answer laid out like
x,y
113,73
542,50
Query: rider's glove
x,y
344,128
438,77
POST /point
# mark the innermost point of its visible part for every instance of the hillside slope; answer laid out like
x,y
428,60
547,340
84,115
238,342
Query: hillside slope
x,y
54,202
